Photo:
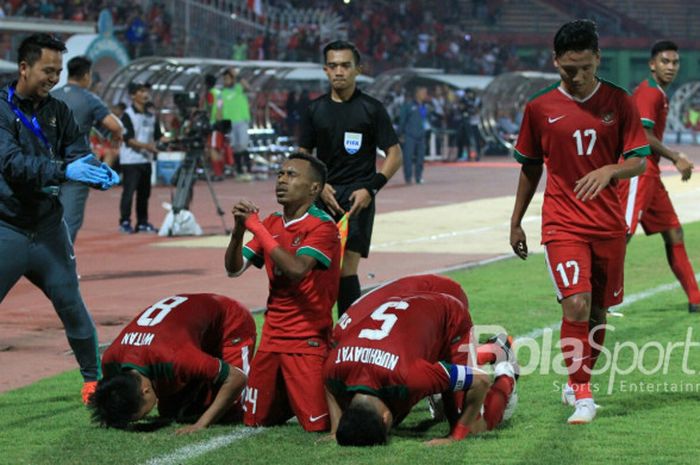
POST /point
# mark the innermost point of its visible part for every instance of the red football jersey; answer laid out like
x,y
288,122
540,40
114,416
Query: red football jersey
x,y
652,104
179,340
299,314
395,350
574,137
415,284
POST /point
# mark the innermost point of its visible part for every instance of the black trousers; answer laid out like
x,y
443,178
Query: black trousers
x,y
135,178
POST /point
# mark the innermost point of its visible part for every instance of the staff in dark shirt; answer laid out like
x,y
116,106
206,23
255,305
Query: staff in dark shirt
x,y
347,127
40,148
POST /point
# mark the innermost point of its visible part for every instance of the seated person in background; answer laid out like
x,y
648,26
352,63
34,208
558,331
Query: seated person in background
x,y
187,353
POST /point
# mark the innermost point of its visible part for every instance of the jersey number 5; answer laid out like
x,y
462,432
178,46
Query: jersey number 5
x,y
388,320
589,134
158,311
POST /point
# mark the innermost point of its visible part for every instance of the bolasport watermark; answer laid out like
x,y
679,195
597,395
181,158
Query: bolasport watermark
x,y
546,354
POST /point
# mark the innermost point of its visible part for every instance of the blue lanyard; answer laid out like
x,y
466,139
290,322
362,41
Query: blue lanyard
x,y
33,126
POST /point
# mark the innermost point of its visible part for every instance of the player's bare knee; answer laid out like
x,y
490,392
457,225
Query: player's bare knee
x,y
577,307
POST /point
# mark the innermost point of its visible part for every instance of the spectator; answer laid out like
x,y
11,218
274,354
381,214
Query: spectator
x,y
413,127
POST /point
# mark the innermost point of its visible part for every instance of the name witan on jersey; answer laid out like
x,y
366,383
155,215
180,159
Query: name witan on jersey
x,y
369,356
138,339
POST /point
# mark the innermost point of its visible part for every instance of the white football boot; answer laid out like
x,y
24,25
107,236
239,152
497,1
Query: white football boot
x,y
584,413
568,397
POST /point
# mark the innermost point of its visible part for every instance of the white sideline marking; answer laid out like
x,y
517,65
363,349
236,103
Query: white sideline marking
x,y
195,450
632,299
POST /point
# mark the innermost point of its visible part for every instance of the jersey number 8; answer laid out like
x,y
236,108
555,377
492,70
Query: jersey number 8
x,y
158,311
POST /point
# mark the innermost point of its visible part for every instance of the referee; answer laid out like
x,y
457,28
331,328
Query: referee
x,y
347,127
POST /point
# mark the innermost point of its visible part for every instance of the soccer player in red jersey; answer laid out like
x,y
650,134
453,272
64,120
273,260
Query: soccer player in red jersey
x,y
400,343
188,353
645,196
579,128
300,249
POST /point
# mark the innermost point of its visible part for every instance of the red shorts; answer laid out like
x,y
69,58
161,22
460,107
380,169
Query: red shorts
x,y
285,385
647,202
596,266
216,140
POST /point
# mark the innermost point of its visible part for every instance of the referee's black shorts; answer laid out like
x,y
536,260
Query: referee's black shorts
x,y
360,225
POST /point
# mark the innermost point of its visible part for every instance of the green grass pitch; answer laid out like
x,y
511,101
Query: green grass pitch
x,y
45,423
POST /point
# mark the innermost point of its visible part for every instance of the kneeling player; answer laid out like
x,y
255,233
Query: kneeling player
x,y
405,341
187,353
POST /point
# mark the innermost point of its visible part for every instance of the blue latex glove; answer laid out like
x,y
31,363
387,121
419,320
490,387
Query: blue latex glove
x,y
113,177
87,170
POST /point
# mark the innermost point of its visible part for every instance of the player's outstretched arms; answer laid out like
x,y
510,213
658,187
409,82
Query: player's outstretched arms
x,y
225,398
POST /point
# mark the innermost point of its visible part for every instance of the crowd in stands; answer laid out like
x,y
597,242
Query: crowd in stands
x,y
143,27
406,33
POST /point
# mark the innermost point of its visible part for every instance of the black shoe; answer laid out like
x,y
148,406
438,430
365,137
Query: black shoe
x,y
146,228
693,308
125,227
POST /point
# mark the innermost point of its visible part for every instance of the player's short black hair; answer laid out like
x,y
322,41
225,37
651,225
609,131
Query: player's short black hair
x,y
29,50
576,36
360,426
116,400
79,66
663,46
342,45
318,168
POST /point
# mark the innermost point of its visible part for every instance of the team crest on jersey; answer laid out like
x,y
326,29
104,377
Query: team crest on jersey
x,y
608,118
352,142
296,241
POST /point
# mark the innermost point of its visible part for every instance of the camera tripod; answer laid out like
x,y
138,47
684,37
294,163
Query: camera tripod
x,y
186,177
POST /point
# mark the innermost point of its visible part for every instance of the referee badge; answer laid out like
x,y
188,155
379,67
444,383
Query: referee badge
x,y
352,142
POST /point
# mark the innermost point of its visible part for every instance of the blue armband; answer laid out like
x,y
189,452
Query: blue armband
x,y
461,377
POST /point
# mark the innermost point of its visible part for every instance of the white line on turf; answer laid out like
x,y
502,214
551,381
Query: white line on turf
x,y
195,450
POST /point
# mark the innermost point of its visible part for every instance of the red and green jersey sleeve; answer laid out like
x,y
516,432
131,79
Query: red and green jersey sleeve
x,y
652,104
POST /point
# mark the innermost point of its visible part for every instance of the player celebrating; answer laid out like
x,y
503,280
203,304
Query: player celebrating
x,y
400,343
187,353
300,250
579,128
646,198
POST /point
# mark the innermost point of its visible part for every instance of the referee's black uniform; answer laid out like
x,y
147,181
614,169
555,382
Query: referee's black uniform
x,y
346,136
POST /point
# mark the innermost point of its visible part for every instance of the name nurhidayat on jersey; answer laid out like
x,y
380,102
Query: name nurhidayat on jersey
x,y
137,339
367,355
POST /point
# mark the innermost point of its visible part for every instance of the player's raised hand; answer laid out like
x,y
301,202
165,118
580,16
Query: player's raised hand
x,y
684,166
328,197
592,184
361,198
518,241
242,210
